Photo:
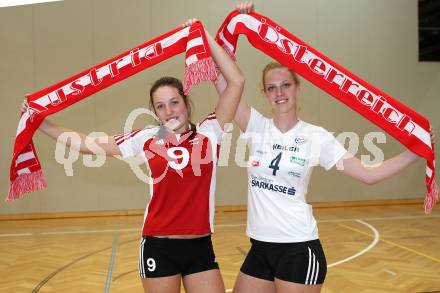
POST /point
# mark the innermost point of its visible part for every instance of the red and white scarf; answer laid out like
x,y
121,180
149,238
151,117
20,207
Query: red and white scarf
x,y
25,173
403,123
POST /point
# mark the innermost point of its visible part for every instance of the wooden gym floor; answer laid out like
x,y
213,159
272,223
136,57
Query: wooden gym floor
x,y
369,249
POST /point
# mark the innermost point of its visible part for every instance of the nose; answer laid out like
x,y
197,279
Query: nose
x,y
279,91
168,110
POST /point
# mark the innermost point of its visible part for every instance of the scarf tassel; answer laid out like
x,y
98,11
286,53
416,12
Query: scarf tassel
x,y
202,70
431,197
26,183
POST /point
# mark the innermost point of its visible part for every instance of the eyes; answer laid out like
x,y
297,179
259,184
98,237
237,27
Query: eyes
x,y
284,86
161,106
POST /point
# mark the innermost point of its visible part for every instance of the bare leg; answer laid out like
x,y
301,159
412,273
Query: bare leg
x,y
290,287
169,284
249,284
207,281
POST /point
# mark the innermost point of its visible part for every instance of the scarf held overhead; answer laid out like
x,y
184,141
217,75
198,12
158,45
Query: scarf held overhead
x,y
25,173
403,123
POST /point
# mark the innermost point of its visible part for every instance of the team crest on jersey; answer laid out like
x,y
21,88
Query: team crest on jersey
x,y
300,139
298,160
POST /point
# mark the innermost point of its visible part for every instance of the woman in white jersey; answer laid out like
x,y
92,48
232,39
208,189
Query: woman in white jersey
x,y
176,243
286,255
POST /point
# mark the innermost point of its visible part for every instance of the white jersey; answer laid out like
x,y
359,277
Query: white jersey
x,y
278,176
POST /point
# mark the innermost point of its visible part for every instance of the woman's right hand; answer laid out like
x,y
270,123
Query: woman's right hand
x,y
246,7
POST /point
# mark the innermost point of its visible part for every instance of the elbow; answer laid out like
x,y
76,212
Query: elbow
x,y
369,180
237,78
369,176
239,81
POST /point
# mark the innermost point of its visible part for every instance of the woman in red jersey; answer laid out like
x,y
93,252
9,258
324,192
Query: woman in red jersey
x,y
176,243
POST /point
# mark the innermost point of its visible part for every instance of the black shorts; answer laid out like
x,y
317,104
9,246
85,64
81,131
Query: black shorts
x,y
302,262
162,257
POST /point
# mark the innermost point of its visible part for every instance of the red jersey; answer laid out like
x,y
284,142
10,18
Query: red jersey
x,y
183,177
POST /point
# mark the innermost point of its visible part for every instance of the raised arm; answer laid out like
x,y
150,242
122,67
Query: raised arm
x,y
353,167
230,97
87,144
243,113
233,81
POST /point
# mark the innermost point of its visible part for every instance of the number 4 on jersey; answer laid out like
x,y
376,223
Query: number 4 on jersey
x,y
274,164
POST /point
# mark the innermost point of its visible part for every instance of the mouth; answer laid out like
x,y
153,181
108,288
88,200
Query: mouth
x,y
172,122
171,118
281,101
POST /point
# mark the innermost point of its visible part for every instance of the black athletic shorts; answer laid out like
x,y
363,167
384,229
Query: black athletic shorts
x,y
302,262
162,257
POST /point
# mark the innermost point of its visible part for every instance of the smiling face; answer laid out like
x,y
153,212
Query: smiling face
x,y
170,108
281,88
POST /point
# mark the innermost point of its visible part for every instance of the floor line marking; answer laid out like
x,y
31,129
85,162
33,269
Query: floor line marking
x,y
366,249
88,231
111,264
15,235
396,244
390,272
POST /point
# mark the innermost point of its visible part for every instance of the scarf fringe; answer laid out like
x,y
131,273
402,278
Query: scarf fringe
x,y
202,70
26,183
431,197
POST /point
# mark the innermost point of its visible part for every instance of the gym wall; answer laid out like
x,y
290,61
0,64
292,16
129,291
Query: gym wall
x,y
45,43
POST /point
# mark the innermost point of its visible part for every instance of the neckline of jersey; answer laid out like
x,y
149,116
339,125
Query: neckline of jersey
x,y
298,122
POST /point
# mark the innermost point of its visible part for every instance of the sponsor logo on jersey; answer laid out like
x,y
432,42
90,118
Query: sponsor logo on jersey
x,y
294,174
298,160
268,185
255,163
300,139
285,148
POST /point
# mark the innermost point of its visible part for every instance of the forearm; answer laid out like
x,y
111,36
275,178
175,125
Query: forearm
x,y
227,66
231,84
391,167
56,131
353,167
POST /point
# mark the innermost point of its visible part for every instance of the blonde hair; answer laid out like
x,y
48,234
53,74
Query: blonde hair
x,y
274,65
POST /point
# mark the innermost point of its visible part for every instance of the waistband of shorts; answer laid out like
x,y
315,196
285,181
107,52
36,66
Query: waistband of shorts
x,y
163,240
273,244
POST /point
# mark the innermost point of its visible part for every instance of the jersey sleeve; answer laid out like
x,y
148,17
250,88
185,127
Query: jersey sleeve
x,y
132,143
211,128
331,150
256,122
